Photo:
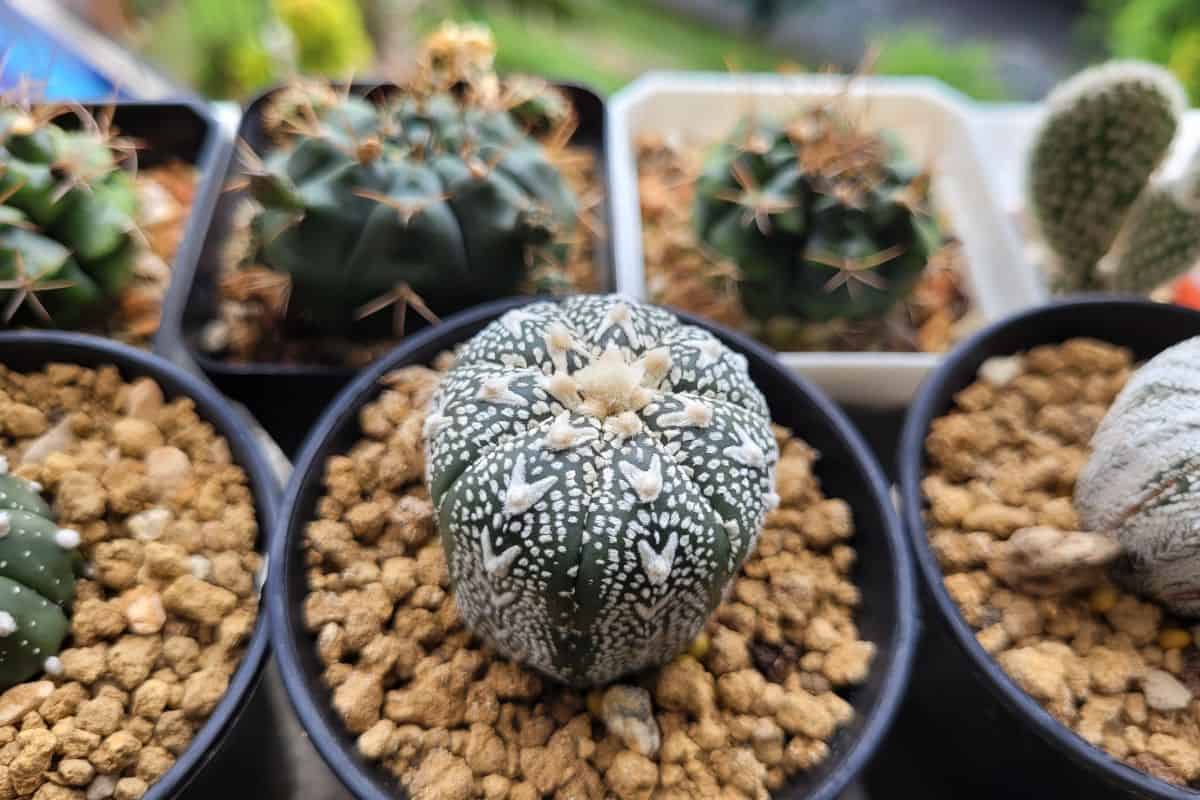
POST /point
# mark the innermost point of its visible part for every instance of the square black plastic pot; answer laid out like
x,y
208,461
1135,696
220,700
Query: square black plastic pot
x,y
201,767
887,617
965,720
185,130
287,398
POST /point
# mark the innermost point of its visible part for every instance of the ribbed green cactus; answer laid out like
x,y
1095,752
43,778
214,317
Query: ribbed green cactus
x,y
452,201
38,565
1106,131
1161,238
67,232
823,220
599,472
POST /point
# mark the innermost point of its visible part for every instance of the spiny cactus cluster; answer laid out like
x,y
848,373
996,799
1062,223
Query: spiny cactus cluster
x,y
823,220
1106,132
430,193
599,473
68,239
38,565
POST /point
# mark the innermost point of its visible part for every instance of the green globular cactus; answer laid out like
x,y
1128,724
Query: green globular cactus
x,y
599,471
1161,237
823,221
1106,131
68,239
453,202
38,565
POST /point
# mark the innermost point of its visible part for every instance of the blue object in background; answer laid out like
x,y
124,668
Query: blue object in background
x,y
58,71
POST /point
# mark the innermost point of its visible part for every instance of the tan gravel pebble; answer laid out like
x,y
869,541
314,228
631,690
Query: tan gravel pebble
x,y
1002,471
739,715
148,656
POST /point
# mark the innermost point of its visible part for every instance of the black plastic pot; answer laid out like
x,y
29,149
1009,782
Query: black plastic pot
x,y
184,130
969,722
888,616
199,768
310,387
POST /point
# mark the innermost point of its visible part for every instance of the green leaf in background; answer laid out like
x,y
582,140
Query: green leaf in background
x,y
331,38
605,43
969,67
1166,32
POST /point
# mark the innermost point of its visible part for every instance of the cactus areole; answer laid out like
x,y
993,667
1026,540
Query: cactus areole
x,y
38,564
599,473
1142,482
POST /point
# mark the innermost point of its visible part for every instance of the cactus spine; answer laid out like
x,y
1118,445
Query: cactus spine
x,y
38,565
1106,131
67,233
824,221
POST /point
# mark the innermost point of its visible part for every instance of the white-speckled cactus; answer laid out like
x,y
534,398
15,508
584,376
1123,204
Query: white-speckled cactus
x,y
599,471
1142,482
38,562
1106,131
1161,239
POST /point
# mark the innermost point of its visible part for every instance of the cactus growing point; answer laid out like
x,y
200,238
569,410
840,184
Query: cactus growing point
x,y
1161,237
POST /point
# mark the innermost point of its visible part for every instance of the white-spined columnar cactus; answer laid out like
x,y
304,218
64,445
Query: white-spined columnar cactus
x,y
599,472
1142,482
1106,131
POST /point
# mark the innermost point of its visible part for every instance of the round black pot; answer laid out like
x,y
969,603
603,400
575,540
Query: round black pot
x,y
847,469
198,767
967,718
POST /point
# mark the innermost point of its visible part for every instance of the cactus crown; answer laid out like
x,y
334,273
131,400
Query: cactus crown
x,y
1106,131
824,219
38,565
599,473
68,239
434,193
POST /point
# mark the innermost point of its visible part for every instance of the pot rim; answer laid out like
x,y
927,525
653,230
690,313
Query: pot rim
x,y
62,346
931,402
336,745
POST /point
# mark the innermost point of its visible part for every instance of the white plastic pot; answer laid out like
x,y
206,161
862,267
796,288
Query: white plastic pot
x,y
931,121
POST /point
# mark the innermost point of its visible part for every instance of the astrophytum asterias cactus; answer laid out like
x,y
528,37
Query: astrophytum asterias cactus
x,y
38,563
599,472
1142,482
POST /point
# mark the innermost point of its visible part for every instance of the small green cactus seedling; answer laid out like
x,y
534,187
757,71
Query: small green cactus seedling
x,y
823,220
38,565
67,233
1106,131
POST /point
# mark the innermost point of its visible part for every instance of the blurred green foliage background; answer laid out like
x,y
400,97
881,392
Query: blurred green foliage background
x,y
231,48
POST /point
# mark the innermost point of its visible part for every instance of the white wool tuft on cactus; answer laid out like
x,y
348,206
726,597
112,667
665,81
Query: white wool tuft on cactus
x,y
599,472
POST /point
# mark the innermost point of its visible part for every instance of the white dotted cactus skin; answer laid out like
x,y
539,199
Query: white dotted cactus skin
x,y
1142,482
1105,132
38,564
599,471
